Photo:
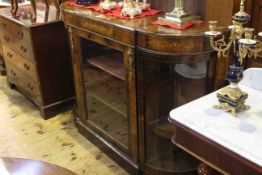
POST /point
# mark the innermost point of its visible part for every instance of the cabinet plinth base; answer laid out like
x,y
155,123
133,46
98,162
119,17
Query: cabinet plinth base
x,y
47,111
114,153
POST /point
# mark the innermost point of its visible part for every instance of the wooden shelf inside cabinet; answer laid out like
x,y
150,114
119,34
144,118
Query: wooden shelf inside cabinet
x,y
163,128
110,122
111,62
107,89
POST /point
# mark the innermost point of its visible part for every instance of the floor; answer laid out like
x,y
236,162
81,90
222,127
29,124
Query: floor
x,y
24,134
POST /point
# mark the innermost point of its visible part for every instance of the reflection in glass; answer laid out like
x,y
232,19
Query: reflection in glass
x,y
105,85
167,87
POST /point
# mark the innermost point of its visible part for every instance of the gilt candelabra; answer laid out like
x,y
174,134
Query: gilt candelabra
x,y
243,45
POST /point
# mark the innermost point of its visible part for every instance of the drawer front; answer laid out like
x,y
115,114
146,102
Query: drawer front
x,y
24,48
6,38
24,65
15,30
4,26
19,79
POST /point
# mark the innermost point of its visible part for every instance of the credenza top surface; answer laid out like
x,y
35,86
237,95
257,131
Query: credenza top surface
x,y
143,25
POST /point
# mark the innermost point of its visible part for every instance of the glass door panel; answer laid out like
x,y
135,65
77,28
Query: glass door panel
x,y
168,86
106,97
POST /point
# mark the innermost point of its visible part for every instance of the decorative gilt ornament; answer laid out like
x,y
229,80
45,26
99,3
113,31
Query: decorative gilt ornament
x,y
232,100
107,5
178,15
241,39
131,8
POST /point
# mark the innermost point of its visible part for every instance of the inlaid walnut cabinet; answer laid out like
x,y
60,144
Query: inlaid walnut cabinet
x,y
129,74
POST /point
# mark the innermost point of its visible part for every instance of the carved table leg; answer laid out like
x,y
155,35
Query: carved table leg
x,y
33,5
14,7
204,169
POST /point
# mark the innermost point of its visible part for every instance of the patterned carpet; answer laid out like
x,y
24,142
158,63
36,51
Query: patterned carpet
x,y
24,134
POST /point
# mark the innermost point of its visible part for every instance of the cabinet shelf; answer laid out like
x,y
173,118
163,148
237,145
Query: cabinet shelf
x,y
111,62
163,128
108,120
107,89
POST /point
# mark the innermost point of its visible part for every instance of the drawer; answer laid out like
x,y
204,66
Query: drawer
x,y
21,41
15,30
6,38
24,48
4,25
21,47
27,85
24,65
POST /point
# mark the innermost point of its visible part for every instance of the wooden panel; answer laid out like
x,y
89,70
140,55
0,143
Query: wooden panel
x,y
257,25
105,29
257,15
25,66
53,62
220,10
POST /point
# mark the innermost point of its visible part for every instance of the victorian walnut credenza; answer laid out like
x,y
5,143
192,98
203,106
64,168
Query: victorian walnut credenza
x,y
128,75
37,57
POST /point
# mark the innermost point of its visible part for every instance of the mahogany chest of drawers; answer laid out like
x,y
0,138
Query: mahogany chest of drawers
x,y
37,58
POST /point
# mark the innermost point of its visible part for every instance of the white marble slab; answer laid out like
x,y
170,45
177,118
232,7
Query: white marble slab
x,y
242,135
253,78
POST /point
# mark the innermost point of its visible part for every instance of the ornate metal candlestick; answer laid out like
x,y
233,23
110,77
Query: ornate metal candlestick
x,y
231,98
178,15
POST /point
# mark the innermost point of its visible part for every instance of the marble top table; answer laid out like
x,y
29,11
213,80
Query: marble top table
x,y
230,145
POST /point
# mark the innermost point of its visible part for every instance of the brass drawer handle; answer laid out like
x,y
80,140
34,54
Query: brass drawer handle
x,y
3,25
20,34
6,38
23,49
30,86
9,55
13,73
27,67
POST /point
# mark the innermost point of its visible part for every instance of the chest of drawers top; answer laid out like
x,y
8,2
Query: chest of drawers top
x,y
16,32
